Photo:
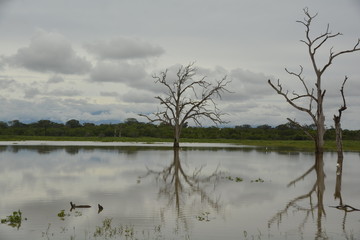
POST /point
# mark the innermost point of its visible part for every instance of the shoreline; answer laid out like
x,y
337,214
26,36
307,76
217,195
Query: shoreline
x,y
115,144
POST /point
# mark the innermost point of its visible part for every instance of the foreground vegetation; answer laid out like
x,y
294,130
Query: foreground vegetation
x,y
285,135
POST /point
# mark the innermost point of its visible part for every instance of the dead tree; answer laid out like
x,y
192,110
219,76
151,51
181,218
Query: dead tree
x,y
311,99
337,122
187,99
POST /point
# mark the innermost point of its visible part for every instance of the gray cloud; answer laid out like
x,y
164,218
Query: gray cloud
x,y
136,96
31,92
124,48
117,72
49,52
231,35
6,83
56,79
109,94
65,92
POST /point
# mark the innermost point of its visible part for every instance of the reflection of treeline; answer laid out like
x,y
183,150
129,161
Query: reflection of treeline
x,y
132,128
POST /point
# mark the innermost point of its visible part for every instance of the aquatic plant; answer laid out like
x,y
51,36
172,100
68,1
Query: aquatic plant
x,y
13,220
258,180
236,179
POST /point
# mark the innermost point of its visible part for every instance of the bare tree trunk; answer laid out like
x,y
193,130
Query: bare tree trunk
x,y
338,137
337,122
176,136
320,133
320,118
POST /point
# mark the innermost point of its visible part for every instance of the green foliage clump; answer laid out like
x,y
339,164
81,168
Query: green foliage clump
x,y
62,214
236,179
258,180
13,220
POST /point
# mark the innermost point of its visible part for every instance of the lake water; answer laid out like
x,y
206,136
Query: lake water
x,y
200,192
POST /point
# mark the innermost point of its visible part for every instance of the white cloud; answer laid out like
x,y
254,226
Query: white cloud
x,y
124,48
49,52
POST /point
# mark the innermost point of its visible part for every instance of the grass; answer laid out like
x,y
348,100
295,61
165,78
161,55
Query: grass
x,y
349,145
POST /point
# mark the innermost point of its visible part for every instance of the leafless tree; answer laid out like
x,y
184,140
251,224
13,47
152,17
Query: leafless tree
x,y
188,99
313,97
337,121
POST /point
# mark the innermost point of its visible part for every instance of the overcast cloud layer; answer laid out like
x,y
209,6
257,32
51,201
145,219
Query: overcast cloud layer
x,y
94,60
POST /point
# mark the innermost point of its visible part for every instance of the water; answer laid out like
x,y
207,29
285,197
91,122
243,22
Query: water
x,y
152,192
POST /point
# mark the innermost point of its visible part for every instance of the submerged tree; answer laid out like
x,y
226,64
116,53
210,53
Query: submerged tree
x,y
188,99
313,96
337,122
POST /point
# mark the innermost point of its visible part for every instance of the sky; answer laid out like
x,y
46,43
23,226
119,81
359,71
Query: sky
x,y
94,61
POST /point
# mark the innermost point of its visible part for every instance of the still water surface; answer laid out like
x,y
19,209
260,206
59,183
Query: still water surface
x,y
149,192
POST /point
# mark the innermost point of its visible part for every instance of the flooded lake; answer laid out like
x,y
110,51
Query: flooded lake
x,y
199,192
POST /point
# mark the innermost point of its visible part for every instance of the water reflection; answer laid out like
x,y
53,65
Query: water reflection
x,y
181,189
337,195
310,210
178,193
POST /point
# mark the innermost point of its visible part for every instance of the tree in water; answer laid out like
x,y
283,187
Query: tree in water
x,y
337,122
311,99
186,99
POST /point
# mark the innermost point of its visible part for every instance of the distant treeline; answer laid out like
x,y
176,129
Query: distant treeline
x,y
132,128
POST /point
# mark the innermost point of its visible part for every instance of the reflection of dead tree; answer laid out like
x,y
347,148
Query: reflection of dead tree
x,y
177,186
344,207
302,177
318,188
339,166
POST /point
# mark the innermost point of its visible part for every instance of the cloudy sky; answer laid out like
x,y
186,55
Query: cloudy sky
x,y
94,60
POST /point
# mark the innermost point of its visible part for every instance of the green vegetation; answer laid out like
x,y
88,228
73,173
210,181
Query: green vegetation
x,y
258,180
62,215
282,136
13,220
236,179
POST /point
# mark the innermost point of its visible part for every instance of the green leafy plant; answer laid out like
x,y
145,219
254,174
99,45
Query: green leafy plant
x,y
258,180
236,179
62,215
13,220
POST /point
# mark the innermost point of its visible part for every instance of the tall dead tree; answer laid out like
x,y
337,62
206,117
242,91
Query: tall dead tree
x,y
187,99
311,99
